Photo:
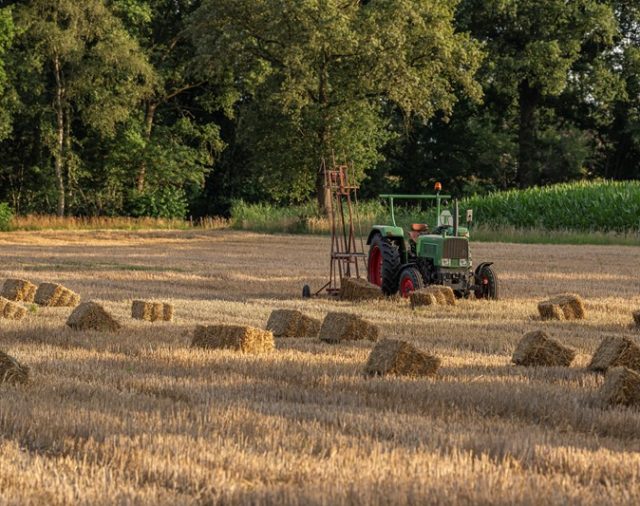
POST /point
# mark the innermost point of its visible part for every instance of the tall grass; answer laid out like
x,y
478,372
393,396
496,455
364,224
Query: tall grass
x,y
49,222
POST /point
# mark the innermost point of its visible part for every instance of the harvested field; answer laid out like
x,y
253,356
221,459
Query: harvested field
x,y
138,416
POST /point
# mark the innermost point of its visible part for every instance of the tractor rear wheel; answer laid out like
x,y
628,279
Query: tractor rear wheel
x,y
487,283
384,264
410,281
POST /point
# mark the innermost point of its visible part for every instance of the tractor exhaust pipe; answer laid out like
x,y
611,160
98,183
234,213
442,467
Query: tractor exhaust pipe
x,y
456,219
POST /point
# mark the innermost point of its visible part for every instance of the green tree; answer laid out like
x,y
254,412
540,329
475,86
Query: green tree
x,y
6,38
82,67
318,77
536,48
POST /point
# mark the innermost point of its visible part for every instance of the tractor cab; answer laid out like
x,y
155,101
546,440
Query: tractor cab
x,y
407,260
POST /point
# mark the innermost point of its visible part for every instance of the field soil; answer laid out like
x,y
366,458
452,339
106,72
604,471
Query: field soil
x,y
137,416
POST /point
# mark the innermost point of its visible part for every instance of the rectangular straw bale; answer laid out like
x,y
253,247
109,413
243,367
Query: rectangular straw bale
x,y
233,337
338,327
292,323
151,311
359,289
636,318
55,295
400,358
538,349
433,294
562,307
92,316
11,371
18,290
621,386
9,310
616,351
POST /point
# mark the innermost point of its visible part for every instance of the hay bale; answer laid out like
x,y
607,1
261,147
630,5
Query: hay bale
x,y
400,358
151,311
621,386
636,318
433,295
615,352
567,306
292,323
11,371
18,290
233,337
359,289
538,349
92,316
338,327
11,311
55,295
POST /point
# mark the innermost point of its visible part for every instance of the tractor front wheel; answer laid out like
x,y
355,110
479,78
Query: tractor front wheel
x,y
486,283
384,264
410,281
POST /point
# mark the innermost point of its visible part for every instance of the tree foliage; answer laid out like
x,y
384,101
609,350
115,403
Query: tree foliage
x,y
177,107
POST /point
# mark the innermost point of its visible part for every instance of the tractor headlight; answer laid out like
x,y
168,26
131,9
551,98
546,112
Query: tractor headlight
x,y
463,262
446,262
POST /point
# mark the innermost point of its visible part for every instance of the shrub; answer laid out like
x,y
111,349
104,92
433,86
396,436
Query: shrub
x,y
164,202
6,215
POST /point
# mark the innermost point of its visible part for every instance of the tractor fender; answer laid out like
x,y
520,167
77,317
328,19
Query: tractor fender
x,y
395,233
482,266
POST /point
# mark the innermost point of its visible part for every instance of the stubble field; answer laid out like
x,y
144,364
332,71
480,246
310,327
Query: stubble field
x,y
139,417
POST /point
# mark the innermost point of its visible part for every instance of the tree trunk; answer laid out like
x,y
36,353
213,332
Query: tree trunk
x,y
529,99
58,154
148,129
324,139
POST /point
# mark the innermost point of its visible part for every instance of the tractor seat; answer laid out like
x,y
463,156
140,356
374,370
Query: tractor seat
x,y
417,229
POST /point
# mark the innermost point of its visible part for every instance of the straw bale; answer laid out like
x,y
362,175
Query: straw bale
x,y
11,311
151,311
538,349
400,358
636,318
55,295
11,371
92,316
359,289
432,295
18,290
621,386
567,306
614,352
292,323
233,337
338,327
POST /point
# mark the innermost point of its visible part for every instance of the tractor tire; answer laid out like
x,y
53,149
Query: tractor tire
x,y
410,281
487,280
384,264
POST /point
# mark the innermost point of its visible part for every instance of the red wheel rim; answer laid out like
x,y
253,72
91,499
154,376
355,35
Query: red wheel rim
x,y
375,266
407,287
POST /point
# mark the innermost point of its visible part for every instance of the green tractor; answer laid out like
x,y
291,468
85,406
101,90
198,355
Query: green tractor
x,y
403,262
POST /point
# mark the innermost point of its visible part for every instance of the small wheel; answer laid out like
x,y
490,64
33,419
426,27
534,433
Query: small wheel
x,y
384,264
410,281
306,292
487,283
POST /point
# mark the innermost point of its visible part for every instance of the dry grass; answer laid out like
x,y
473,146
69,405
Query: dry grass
x,y
139,417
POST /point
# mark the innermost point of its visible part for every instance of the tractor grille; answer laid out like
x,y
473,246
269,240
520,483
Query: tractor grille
x,y
456,248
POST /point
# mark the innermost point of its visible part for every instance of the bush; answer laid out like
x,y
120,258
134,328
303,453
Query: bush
x,y
164,202
6,215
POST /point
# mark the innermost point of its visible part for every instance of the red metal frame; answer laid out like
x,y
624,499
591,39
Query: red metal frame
x,y
347,250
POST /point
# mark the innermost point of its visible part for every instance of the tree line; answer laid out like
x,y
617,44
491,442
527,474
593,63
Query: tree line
x,y
178,107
